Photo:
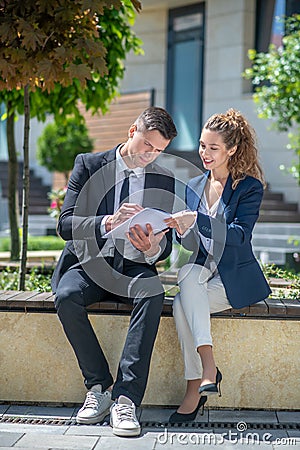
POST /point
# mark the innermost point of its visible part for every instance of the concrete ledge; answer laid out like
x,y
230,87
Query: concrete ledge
x,y
37,256
44,260
259,361
259,358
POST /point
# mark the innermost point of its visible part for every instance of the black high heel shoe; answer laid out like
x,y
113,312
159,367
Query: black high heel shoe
x,y
177,417
212,388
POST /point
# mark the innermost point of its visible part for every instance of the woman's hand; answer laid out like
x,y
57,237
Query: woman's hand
x,y
182,221
146,242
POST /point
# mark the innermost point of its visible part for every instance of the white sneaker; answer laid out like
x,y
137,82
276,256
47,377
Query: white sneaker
x,y
123,419
95,407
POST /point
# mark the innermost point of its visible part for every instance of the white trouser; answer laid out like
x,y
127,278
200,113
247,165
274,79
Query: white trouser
x,y
201,293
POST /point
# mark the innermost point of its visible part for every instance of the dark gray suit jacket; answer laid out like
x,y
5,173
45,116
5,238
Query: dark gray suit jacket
x,y
90,196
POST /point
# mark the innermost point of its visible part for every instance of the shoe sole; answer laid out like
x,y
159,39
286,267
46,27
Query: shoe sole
x,y
97,419
123,432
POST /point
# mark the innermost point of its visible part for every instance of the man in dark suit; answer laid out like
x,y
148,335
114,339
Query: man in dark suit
x,y
104,190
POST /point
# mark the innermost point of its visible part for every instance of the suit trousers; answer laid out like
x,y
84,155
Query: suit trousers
x,y
201,293
76,291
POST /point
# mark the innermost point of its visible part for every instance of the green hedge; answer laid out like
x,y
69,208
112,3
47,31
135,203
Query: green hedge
x,y
36,243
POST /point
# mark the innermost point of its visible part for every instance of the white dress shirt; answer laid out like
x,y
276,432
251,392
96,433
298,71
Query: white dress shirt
x,y
136,195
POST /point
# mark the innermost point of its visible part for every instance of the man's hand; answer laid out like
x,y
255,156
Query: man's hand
x,y
148,242
182,221
125,211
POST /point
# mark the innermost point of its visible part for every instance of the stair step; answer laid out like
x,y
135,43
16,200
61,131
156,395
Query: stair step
x,y
268,195
35,209
33,195
282,242
38,224
278,206
283,229
38,192
279,216
34,184
279,250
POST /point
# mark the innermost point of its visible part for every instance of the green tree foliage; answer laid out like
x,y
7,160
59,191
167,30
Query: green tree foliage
x,y
62,51
50,46
276,77
59,144
81,56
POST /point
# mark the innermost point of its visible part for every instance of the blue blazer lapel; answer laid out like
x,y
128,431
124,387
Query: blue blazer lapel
x,y
197,192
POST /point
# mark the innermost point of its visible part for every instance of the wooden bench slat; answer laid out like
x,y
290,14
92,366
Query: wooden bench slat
x,y
38,301
48,303
24,295
124,307
44,301
6,295
41,296
275,306
241,311
104,306
18,304
226,313
292,307
259,309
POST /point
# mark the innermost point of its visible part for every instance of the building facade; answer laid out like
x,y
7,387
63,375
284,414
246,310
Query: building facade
x,y
194,57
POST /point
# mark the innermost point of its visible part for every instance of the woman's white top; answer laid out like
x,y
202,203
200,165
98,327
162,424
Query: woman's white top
x,y
209,211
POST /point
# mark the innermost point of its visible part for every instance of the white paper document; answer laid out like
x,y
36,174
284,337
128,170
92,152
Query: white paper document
x,y
148,215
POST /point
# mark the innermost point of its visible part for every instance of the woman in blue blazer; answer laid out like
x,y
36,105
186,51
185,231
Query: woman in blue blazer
x,y
223,206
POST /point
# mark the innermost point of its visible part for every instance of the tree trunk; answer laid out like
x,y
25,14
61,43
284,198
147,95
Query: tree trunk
x,y
13,197
25,201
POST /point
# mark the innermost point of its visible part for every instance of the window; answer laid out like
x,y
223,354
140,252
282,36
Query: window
x,y
268,28
185,74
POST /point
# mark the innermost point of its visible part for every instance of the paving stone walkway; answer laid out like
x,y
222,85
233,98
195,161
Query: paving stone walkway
x,y
54,428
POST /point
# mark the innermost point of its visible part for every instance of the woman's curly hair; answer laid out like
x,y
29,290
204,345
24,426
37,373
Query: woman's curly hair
x,y
236,131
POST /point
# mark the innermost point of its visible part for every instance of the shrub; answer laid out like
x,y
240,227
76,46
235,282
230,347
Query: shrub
x,y
36,243
34,280
275,76
60,143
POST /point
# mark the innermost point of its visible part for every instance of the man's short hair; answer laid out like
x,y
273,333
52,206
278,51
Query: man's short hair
x,y
155,118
